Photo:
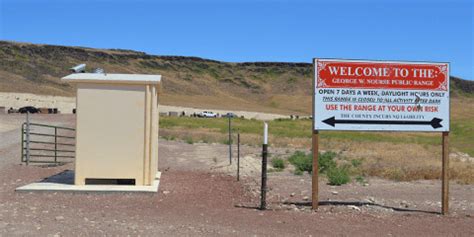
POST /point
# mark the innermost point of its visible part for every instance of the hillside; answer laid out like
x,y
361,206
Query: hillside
x,y
188,81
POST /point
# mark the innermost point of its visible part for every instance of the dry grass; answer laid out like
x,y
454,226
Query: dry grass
x,y
402,162
395,161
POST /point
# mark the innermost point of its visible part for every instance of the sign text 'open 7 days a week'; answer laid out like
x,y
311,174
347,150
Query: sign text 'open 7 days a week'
x,y
381,95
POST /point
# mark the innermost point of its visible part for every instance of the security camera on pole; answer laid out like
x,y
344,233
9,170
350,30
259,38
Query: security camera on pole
x,y
81,68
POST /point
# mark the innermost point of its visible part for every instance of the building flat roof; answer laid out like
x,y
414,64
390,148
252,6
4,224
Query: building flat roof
x,y
113,78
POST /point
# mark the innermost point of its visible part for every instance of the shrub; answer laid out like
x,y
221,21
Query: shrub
x,y
189,140
356,162
338,175
326,161
301,161
304,162
168,137
278,163
360,179
298,172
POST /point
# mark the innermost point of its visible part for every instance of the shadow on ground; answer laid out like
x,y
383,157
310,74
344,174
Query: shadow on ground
x,y
359,204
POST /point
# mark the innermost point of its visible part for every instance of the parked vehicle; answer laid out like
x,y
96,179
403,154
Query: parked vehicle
x,y
229,115
207,114
29,109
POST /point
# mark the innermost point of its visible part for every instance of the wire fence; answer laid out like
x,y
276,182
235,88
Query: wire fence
x,y
249,172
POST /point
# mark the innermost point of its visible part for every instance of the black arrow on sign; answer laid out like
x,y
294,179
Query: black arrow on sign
x,y
435,122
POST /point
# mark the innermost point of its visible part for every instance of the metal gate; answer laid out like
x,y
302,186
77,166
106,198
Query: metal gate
x,y
42,143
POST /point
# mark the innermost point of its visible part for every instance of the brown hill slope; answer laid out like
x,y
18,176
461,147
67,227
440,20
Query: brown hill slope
x,y
188,81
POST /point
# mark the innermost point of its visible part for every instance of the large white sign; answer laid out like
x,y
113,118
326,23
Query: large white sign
x,y
380,95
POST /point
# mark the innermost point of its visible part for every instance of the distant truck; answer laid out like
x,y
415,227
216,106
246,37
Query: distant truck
x,y
229,115
207,114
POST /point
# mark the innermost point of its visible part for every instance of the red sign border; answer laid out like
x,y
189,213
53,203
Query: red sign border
x,y
315,78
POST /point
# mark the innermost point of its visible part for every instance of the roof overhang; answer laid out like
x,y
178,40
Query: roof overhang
x,y
113,78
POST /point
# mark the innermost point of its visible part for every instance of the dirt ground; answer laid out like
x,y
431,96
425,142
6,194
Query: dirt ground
x,y
199,195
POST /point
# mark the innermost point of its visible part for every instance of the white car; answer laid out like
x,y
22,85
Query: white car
x,y
207,114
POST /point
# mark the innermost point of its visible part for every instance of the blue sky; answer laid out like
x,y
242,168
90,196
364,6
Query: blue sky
x,y
237,31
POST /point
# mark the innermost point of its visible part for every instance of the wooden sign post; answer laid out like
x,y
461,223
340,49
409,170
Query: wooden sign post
x,y
361,95
445,175
315,178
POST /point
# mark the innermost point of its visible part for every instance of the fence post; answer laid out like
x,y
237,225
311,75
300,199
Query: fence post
x,y
22,142
263,191
27,138
56,145
230,141
238,156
